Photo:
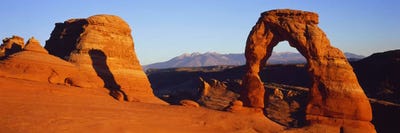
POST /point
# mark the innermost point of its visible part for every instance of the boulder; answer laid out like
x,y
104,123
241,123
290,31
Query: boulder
x,y
102,45
189,103
237,103
335,97
235,106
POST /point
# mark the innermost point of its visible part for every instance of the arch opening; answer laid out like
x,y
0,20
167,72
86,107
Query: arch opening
x,y
286,82
334,92
285,66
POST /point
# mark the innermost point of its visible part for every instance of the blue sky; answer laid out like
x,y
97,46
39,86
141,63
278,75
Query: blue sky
x,y
163,29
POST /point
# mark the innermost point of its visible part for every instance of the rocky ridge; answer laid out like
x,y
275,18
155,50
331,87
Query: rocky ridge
x,y
215,59
379,75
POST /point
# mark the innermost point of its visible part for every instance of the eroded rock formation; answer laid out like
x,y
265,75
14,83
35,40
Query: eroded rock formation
x,y
286,104
34,46
216,94
11,45
335,96
102,45
35,64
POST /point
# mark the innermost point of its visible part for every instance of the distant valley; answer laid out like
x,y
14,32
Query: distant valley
x,y
377,74
213,58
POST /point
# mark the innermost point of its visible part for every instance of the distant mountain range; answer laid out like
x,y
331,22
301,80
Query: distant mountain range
x,y
212,59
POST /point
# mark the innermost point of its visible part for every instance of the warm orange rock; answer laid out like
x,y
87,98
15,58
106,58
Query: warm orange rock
x,y
237,103
189,103
34,45
216,94
11,45
235,106
102,45
34,64
35,107
335,92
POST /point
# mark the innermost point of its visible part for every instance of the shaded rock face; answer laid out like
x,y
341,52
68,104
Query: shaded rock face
x,y
188,89
335,96
379,75
385,115
102,45
11,45
209,93
64,37
286,104
218,95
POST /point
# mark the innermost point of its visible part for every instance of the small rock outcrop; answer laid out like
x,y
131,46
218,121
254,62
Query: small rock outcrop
x,y
286,104
235,106
189,103
11,45
335,97
102,45
216,94
33,63
34,46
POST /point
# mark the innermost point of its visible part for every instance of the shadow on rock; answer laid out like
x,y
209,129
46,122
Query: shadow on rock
x,y
99,62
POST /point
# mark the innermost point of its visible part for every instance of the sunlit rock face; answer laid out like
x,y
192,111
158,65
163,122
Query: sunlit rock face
x,y
102,45
35,64
335,97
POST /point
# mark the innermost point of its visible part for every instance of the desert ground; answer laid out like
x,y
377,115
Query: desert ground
x,y
28,106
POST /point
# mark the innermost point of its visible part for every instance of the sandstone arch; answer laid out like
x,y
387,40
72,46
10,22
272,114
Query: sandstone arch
x,y
335,92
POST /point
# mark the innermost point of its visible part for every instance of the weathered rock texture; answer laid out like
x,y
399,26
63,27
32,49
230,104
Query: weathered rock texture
x,y
335,96
11,45
102,45
34,46
35,64
286,104
216,94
